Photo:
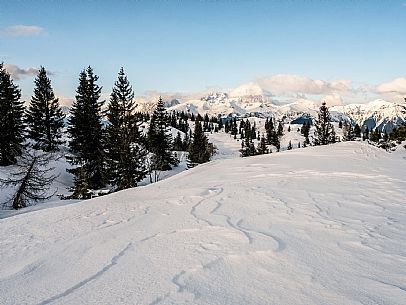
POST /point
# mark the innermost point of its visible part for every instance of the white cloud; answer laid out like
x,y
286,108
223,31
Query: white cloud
x,y
17,72
21,30
283,84
397,85
394,90
333,100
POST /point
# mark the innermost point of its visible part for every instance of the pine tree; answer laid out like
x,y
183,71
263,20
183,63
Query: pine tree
x,y
348,132
357,131
31,179
44,115
199,148
85,129
125,153
160,140
247,148
177,142
280,129
11,120
290,146
262,149
324,129
366,133
305,130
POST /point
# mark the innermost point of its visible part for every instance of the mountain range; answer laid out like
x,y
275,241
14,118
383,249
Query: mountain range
x,y
378,113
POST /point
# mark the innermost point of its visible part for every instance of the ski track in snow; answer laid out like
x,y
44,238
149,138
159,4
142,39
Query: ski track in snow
x,y
322,225
113,262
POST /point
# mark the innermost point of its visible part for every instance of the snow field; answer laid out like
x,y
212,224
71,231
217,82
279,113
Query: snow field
x,y
321,225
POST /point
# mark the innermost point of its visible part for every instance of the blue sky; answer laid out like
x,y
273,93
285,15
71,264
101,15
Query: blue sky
x,y
186,46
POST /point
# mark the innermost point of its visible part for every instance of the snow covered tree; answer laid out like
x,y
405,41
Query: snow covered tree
x,y
247,148
348,132
11,119
325,133
375,135
125,152
44,115
85,129
262,149
160,139
289,146
199,150
280,129
178,142
31,179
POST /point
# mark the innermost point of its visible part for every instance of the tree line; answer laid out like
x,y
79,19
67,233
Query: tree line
x,y
106,145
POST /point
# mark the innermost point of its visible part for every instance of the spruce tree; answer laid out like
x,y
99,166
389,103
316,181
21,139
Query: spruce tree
x,y
262,149
125,152
357,131
348,132
305,130
199,148
177,142
44,115
85,129
11,119
324,129
160,140
31,179
366,133
280,129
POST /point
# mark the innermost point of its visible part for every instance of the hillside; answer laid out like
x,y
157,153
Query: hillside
x,y
322,225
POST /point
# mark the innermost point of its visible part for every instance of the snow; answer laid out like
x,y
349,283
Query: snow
x,y
320,225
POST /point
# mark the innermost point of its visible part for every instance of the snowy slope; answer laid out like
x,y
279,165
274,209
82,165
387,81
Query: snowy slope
x,y
321,225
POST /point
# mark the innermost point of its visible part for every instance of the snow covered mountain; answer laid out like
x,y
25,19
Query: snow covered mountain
x,y
321,225
379,114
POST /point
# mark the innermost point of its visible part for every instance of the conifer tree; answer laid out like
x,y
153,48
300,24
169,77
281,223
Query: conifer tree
x,y
44,115
348,132
11,119
262,149
324,129
31,179
85,129
357,131
305,130
280,129
125,153
366,133
247,148
177,142
199,148
160,140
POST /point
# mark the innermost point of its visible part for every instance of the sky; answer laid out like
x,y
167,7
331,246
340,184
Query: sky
x,y
192,46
